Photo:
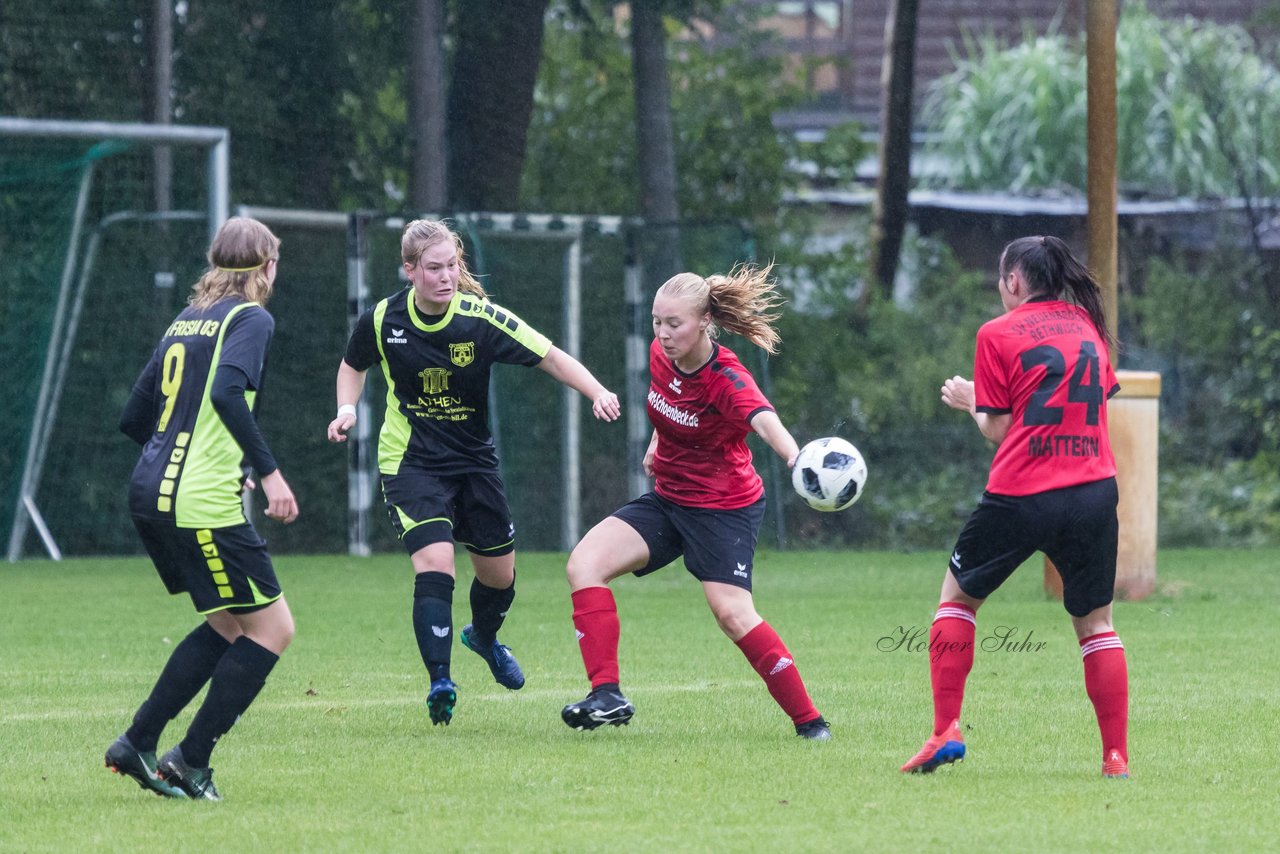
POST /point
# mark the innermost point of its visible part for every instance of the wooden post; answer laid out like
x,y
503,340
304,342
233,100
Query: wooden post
x,y
1133,425
1133,416
1100,47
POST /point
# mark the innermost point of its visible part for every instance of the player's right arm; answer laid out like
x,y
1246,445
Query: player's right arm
x,y
138,419
957,393
362,353
350,384
649,454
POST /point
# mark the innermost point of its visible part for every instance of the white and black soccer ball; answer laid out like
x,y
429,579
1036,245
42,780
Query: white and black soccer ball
x,y
829,474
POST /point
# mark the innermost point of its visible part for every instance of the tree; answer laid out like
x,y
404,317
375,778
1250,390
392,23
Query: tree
x,y
427,106
890,208
655,140
72,61
269,70
498,46
731,160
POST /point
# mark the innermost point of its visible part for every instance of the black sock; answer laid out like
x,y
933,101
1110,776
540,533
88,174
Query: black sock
x,y
489,606
433,621
189,667
237,680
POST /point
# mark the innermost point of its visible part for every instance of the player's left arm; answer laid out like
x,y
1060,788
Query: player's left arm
x,y
569,371
769,427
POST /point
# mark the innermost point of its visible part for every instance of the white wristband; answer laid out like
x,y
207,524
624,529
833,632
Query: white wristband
x,y
347,409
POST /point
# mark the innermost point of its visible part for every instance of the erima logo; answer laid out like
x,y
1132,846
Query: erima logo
x,y
741,571
674,385
955,559
397,337
783,664
440,631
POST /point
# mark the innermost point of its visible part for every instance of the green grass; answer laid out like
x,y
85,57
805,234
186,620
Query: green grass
x,y
338,753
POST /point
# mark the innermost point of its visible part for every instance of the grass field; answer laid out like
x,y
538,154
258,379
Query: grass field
x,y
338,753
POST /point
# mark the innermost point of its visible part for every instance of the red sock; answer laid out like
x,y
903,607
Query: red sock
x,y
950,660
1106,680
770,658
595,616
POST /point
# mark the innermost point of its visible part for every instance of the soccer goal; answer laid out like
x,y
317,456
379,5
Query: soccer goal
x,y
91,262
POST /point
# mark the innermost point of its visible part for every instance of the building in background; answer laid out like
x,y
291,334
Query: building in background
x,y
838,45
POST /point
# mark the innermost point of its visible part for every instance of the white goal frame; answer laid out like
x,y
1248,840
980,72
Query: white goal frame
x,y
217,143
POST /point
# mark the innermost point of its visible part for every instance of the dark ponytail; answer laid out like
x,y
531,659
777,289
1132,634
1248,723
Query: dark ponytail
x,y
1049,269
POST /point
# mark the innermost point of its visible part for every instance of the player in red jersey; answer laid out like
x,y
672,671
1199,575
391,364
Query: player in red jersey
x,y
707,501
1042,377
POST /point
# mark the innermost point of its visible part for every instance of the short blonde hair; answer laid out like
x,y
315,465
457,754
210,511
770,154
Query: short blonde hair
x,y
238,258
744,302
421,234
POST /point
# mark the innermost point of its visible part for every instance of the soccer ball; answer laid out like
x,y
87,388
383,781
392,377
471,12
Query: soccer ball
x,y
829,474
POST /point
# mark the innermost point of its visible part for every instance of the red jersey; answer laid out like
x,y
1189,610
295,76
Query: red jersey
x,y
702,420
1045,363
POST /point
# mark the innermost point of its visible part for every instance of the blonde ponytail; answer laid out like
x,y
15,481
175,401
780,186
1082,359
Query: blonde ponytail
x,y
744,302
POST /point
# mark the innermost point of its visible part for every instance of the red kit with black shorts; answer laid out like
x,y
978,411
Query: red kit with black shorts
x,y
708,500
1052,482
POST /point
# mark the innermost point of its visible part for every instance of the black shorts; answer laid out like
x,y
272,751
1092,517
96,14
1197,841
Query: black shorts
x,y
1076,527
718,545
221,568
470,509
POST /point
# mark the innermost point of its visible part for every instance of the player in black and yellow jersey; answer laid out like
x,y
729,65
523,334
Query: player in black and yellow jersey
x,y
192,412
436,342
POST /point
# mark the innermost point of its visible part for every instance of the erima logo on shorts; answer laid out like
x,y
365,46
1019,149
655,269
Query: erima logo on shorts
x,y
397,337
741,571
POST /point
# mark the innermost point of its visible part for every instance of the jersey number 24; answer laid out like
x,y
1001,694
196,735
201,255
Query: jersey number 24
x,y
1083,387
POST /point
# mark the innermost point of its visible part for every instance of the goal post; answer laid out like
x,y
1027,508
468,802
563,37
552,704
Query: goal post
x,y
215,140
85,228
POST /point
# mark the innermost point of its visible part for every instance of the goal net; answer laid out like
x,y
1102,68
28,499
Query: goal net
x,y
94,268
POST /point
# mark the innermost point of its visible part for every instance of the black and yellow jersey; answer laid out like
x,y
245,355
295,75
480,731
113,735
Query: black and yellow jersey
x,y
437,371
190,470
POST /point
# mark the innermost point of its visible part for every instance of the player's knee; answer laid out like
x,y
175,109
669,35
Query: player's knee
x,y
286,632
433,560
584,569
734,619
279,631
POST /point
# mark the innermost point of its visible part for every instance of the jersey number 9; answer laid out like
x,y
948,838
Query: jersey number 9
x,y
170,381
